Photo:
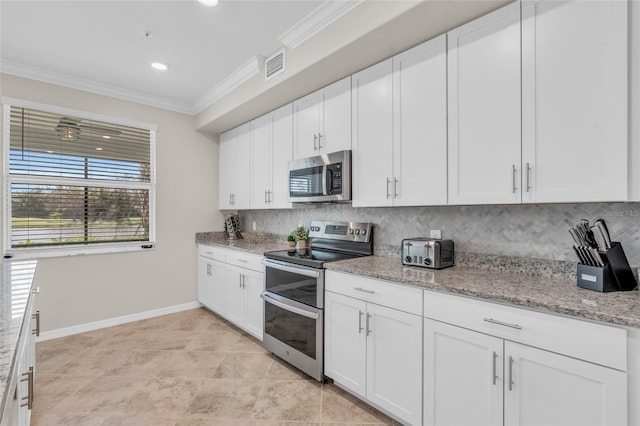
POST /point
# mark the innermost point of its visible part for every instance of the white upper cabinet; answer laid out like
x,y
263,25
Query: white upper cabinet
x,y
372,128
574,101
234,168
420,124
484,109
399,128
322,120
271,151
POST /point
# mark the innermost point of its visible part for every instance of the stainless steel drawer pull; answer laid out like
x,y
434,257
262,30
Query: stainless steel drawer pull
x,y
395,187
365,290
494,374
360,313
528,172
514,171
368,329
28,377
510,373
243,260
504,324
36,317
388,182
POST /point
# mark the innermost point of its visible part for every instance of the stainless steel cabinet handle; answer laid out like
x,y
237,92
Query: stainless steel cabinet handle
x,y
243,260
36,317
36,290
510,373
319,140
388,182
528,170
494,374
269,200
360,313
28,377
241,279
365,290
504,324
395,187
265,197
315,140
513,173
368,318
208,270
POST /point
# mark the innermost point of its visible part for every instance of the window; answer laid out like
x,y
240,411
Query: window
x,y
76,183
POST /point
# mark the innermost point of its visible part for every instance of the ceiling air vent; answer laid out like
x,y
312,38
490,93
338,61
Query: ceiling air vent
x,y
274,65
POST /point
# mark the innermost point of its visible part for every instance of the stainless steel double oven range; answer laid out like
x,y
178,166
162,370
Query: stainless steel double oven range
x,y
294,291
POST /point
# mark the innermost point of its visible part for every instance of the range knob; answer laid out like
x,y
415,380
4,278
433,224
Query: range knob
x,y
407,259
357,232
427,261
351,231
364,231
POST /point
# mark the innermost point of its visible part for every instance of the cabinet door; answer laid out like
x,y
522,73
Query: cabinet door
x,y
261,161
394,362
235,171
307,113
463,376
484,109
281,154
335,133
217,287
254,306
420,124
235,295
554,390
574,101
372,121
345,341
204,281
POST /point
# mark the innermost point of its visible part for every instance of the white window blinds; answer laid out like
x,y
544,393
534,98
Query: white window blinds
x,y
74,181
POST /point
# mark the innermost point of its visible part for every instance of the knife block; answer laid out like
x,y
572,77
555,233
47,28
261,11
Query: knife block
x,y
615,275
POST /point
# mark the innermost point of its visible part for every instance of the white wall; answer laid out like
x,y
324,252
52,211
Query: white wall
x,y
82,289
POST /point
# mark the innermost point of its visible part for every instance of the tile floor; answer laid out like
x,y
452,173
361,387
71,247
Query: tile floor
x,y
186,369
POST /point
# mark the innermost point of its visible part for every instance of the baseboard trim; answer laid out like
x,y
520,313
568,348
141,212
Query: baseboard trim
x,y
96,325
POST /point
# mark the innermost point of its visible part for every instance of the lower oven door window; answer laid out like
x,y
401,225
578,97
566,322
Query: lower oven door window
x,y
294,324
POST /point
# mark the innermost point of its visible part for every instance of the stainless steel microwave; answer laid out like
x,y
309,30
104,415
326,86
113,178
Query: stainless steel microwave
x,y
321,179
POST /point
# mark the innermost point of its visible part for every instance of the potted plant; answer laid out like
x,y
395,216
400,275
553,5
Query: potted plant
x,y
292,240
300,235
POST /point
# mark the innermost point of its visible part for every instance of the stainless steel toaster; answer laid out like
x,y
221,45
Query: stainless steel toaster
x,y
427,252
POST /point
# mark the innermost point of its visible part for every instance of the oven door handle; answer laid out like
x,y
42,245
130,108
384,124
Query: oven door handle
x,y
294,270
288,307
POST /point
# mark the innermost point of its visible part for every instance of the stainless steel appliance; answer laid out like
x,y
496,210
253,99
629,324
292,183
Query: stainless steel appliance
x,y
294,291
427,252
323,178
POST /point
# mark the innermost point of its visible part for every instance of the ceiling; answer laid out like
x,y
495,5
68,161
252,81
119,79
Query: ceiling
x,y
102,46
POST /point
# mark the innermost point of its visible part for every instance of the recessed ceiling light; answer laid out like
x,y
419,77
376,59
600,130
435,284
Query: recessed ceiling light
x,y
159,66
49,152
209,3
106,137
98,149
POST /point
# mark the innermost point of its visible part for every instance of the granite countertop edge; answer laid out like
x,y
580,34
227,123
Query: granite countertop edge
x,y
541,293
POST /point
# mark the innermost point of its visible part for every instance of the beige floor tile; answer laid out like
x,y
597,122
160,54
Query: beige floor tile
x,y
52,357
51,390
139,421
93,362
167,340
49,419
339,406
248,344
226,422
169,364
280,370
214,341
166,396
238,365
137,364
298,400
225,399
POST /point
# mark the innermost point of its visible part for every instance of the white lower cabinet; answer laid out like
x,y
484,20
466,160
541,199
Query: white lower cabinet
x,y
505,381
374,351
230,283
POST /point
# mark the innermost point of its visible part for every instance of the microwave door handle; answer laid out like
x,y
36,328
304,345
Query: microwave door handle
x,y
328,180
325,176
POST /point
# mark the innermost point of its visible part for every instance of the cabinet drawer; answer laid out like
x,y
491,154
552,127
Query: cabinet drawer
x,y
212,252
600,344
396,296
245,260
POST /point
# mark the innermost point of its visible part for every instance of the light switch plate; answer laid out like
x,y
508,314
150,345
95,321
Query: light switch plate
x,y
253,226
436,233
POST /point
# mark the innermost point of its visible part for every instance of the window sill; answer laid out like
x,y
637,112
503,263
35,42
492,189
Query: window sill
x,y
46,252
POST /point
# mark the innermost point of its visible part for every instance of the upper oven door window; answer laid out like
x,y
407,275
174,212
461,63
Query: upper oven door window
x,y
295,283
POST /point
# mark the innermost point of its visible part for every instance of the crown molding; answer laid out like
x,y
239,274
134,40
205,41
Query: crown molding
x,y
320,18
65,80
232,81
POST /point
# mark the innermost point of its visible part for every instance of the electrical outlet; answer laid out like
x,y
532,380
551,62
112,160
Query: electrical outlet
x,y
253,226
436,233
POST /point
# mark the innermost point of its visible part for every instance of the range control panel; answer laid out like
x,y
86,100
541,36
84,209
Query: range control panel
x,y
345,231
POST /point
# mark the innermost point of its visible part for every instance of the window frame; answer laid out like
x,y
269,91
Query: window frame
x,y
79,249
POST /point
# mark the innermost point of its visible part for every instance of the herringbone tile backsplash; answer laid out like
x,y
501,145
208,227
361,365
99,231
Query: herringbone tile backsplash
x,y
536,231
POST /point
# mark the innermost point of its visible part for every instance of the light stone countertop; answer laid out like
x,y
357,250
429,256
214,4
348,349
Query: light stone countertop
x,y
553,295
16,282
252,242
